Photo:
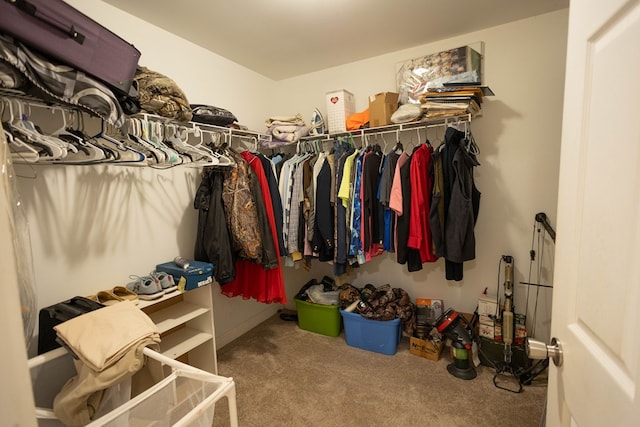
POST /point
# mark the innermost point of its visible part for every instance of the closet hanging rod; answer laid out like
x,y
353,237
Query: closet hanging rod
x,y
427,123
400,127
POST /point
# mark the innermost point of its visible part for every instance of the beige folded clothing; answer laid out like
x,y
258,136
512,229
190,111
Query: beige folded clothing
x,y
285,120
82,397
101,337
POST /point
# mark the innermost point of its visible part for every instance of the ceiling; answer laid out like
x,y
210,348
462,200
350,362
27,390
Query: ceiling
x,y
286,38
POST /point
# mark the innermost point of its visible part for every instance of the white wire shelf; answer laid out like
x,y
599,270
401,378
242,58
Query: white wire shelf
x,y
395,128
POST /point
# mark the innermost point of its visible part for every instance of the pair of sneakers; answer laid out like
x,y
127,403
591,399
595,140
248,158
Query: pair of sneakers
x,y
153,286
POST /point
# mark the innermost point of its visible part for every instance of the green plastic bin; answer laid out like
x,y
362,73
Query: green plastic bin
x,y
319,318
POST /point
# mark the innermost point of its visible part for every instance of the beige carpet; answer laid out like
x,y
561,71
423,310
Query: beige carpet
x,y
286,376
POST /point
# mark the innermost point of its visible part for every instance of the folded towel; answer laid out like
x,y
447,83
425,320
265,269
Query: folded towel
x,y
285,120
288,133
101,337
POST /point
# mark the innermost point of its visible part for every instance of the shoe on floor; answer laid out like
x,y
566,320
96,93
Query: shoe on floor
x,y
288,315
147,288
166,281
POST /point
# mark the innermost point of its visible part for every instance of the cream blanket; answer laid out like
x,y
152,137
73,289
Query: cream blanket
x,y
101,337
108,344
285,129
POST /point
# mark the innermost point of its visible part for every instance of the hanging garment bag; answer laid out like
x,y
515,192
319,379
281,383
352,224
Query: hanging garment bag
x,y
59,31
53,315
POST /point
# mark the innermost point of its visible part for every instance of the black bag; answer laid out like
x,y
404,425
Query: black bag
x,y
58,313
302,293
212,115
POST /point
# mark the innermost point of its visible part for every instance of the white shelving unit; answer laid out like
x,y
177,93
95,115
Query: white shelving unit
x,y
185,322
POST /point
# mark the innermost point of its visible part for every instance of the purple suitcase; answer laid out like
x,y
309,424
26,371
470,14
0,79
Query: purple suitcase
x,y
56,29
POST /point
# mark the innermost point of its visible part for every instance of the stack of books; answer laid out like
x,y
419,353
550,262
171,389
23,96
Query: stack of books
x,y
453,100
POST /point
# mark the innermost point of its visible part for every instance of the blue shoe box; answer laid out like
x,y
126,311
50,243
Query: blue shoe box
x,y
374,335
197,274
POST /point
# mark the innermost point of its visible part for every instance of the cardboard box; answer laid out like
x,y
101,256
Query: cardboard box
x,y
498,332
197,274
381,107
520,328
486,330
426,348
340,105
487,308
428,311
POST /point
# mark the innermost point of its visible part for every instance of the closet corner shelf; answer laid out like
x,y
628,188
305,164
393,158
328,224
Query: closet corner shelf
x,y
176,315
142,304
182,341
395,128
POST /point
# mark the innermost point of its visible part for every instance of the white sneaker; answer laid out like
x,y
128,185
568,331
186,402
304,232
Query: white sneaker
x,y
166,281
147,288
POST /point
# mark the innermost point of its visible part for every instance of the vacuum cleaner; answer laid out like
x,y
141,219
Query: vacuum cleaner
x,y
450,324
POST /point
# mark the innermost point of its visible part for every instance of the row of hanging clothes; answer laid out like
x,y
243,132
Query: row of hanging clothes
x,y
76,140
346,204
238,215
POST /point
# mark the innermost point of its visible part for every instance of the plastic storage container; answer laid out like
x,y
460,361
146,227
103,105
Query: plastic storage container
x,y
373,335
320,318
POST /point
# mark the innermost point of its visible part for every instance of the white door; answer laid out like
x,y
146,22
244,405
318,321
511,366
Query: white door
x,y
596,300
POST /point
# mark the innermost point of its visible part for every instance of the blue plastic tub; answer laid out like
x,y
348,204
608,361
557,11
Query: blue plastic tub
x,y
374,335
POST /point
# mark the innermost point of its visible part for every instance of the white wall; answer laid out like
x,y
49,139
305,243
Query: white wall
x,y
93,226
519,139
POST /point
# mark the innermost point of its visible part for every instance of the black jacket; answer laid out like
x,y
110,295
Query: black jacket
x,y
212,238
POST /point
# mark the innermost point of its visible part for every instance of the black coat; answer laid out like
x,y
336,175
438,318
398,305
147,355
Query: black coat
x,y
322,242
212,239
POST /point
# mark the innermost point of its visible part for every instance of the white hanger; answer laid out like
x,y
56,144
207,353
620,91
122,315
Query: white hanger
x,y
124,153
63,131
51,147
217,158
196,154
153,155
156,133
21,152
